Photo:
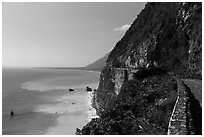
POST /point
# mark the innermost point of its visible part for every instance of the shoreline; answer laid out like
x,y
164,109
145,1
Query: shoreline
x,y
43,104
78,114
92,110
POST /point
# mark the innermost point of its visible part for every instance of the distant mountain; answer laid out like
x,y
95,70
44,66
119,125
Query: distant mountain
x,y
98,64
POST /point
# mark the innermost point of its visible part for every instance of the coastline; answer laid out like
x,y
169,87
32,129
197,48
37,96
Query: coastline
x,y
64,116
92,110
42,103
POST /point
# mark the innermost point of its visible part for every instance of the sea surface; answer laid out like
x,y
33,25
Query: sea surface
x,y
42,103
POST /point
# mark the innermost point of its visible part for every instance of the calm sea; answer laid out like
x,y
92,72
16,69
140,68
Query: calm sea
x,y
41,101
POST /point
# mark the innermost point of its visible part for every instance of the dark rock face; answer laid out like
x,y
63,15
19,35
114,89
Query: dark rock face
x,y
88,89
167,36
71,89
11,114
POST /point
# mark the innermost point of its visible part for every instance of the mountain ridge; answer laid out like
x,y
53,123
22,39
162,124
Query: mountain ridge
x,y
98,64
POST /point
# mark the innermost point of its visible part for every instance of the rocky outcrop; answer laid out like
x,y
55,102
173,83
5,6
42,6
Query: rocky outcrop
x,y
120,75
88,89
71,89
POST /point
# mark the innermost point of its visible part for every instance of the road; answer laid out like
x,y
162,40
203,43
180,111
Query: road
x,y
196,88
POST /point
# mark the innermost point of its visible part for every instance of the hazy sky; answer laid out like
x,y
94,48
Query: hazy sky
x,y
63,34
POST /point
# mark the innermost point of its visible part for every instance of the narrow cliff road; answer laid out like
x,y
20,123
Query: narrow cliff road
x,y
195,86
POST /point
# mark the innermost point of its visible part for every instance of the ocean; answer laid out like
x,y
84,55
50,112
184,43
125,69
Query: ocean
x,y
42,102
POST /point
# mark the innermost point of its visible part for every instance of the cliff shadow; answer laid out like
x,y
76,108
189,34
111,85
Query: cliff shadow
x,y
194,121
145,73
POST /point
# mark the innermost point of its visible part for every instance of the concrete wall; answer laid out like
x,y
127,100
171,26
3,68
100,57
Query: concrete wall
x,y
178,120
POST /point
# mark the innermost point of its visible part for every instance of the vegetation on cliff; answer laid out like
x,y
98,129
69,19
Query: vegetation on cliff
x,y
142,107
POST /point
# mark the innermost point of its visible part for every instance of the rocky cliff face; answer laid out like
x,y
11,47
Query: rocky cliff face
x,y
165,36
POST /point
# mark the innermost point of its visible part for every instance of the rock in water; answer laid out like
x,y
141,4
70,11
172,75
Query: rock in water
x,y
71,89
88,89
11,114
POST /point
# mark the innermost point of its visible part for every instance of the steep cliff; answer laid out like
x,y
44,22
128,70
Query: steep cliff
x,y
166,35
165,38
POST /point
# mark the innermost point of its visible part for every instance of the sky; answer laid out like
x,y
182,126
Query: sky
x,y
62,34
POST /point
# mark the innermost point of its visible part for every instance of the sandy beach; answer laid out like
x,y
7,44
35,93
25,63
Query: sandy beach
x,y
69,107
